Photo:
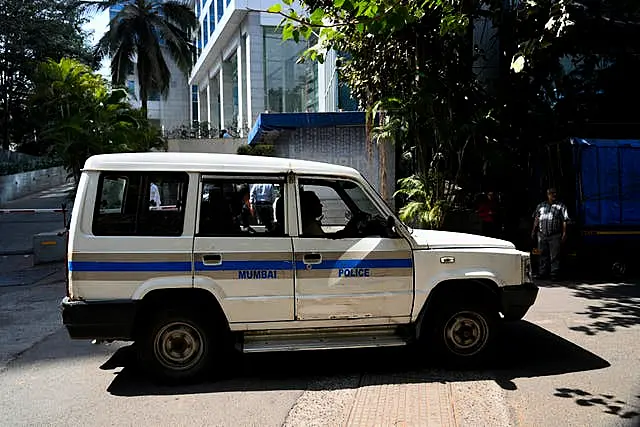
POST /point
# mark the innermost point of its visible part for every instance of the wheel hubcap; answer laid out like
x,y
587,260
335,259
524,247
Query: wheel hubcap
x,y
178,346
619,268
466,333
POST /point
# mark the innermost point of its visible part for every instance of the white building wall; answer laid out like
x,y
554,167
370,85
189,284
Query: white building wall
x,y
240,32
255,65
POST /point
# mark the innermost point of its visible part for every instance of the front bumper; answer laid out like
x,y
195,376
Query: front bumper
x,y
515,300
99,320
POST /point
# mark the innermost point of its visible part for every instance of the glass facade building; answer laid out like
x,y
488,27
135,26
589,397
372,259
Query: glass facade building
x,y
244,68
289,87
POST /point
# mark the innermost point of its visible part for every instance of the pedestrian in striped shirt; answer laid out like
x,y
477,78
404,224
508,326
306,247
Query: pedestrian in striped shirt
x,y
550,222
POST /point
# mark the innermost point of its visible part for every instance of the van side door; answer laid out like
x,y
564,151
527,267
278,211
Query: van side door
x,y
242,250
347,266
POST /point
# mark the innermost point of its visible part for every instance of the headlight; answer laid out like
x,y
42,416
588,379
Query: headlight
x,y
527,276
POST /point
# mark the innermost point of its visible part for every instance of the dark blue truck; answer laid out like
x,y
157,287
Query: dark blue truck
x,y
599,181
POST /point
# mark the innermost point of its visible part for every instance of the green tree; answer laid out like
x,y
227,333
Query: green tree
x,y
31,32
147,30
410,65
82,117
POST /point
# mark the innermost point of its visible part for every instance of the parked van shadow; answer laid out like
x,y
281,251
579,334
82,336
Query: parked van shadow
x,y
525,350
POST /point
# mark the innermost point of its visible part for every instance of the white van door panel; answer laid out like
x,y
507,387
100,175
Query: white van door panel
x,y
254,276
345,270
242,249
371,277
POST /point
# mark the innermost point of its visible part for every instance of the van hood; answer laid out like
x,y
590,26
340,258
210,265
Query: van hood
x,y
448,240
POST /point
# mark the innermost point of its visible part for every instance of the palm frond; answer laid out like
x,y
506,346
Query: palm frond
x,y
177,42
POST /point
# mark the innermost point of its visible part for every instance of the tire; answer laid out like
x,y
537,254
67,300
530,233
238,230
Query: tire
x,y
463,335
619,269
176,347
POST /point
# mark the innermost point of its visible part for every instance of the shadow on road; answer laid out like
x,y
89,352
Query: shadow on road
x,y
616,305
525,350
609,403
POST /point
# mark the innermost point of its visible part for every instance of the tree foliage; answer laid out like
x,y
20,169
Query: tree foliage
x,y
409,64
31,32
577,56
147,30
563,65
82,117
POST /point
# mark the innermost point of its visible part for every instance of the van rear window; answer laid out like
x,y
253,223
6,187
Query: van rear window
x,y
140,204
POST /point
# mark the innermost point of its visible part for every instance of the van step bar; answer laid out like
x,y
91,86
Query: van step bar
x,y
315,341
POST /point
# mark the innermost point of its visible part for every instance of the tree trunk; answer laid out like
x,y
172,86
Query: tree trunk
x,y
144,98
6,134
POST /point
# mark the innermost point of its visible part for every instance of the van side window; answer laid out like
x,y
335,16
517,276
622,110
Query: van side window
x,y
242,207
140,204
336,208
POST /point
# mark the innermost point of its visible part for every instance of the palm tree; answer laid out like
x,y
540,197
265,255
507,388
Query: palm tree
x,y
141,34
82,117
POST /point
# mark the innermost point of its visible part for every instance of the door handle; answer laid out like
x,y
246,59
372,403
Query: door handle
x,y
312,259
214,259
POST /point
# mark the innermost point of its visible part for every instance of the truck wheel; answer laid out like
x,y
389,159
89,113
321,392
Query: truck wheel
x,y
176,347
464,334
619,269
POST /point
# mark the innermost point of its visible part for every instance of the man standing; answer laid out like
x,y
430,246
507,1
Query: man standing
x,y
550,220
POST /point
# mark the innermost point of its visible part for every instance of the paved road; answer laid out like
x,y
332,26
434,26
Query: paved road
x,y
591,363
17,229
574,361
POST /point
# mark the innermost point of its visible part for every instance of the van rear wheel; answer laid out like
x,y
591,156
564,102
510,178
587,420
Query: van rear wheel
x,y
176,347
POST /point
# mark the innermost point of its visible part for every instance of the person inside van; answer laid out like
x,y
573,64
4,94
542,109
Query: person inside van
x,y
154,195
311,213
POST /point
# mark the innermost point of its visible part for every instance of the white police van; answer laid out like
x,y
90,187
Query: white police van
x,y
191,254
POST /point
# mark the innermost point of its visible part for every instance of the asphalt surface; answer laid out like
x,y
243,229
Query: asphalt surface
x,y
562,366
17,229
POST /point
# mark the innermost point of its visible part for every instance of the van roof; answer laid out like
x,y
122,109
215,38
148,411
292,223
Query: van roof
x,y
212,163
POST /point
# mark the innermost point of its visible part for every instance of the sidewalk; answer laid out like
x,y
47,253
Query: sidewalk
x,y
17,229
382,400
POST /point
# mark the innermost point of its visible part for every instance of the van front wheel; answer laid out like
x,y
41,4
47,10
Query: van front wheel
x,y
464,334
176,347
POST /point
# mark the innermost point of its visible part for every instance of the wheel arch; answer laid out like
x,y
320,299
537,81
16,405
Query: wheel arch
x,y
200,300
477,289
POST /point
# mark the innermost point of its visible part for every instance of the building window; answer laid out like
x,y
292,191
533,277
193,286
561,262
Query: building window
x,y
114,10
140,204
205,31
154,95
198,9
131,87
194,103
212,16
345,101
289,87
220,9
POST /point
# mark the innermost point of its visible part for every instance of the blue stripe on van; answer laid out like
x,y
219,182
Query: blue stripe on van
x,y
129,266
237,265
358,263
